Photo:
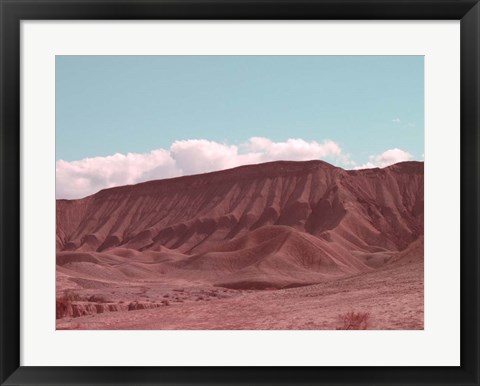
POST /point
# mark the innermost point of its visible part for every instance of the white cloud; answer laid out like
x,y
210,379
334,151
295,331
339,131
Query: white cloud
x,y
292,149
396,120
387,158
199,156
80,178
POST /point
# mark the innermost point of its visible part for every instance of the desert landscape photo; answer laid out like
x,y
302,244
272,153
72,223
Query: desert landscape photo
x,y
305,213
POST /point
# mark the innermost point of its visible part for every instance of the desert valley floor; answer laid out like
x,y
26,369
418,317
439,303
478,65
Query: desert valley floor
x,y
281,245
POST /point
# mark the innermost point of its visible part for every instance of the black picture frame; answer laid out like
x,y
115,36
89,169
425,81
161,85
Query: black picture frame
x,y
13,11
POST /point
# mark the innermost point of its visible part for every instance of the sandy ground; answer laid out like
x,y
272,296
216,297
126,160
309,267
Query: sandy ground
x,y
392,296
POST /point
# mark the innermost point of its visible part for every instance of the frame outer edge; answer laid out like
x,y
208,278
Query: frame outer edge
x,y
11,373
9,191
470,192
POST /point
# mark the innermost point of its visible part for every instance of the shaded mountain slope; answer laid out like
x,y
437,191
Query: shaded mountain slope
x,y
269,225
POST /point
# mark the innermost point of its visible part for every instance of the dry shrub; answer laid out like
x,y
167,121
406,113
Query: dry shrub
x,y
63,304
98,299
62,307
71,295
354,321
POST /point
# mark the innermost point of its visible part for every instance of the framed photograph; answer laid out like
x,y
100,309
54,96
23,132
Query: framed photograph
x,y
229,192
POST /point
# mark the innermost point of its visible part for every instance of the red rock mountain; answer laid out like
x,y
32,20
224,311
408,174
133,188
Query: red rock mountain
x,y
276,224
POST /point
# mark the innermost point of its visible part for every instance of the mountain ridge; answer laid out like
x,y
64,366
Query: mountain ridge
x,y
367,209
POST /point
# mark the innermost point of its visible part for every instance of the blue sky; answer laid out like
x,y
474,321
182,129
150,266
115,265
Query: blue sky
x,y
136,104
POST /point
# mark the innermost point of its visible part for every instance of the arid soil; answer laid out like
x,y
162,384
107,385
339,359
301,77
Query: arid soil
x,y
282,245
